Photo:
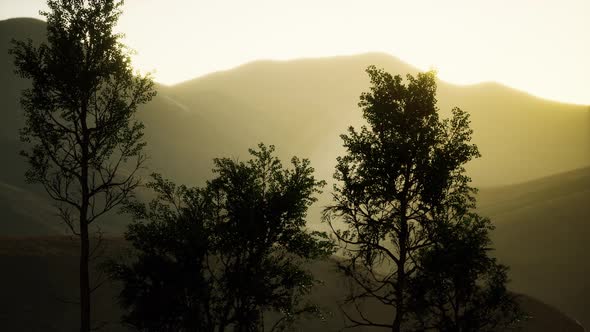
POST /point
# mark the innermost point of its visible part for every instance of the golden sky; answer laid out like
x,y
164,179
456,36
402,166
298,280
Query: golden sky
x,y
539,46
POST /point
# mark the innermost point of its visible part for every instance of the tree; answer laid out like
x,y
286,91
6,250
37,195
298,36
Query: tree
x,y
222,256
458,286
398,177
264,238
85,146
168,283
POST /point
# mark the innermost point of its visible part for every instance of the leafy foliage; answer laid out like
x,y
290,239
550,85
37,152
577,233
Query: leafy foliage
x,y
79,112
222,256
167,285
85,146
459,287
401,178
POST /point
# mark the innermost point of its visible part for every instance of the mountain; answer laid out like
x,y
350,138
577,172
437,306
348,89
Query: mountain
x,y
10,90
542,232
303,105
312,101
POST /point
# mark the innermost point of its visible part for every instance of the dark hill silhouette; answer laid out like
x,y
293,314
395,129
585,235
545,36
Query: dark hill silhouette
x,y
542,232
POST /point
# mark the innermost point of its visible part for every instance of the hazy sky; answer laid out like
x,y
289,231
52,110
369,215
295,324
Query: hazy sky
x,y
540,46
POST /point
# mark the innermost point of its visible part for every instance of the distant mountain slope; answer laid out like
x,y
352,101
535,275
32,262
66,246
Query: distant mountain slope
x,y
312,101
303,105
24,212
12,165
542,233
10,84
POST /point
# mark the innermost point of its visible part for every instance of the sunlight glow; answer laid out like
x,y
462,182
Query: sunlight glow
x,y
539,46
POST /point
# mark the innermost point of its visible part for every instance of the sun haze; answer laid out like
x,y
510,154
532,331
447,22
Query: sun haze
x,y
539,46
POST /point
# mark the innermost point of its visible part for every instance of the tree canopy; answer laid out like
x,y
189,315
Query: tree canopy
x,y
401,179
222,256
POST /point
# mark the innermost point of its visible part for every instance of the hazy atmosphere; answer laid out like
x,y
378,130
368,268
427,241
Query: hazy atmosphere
x,y
538,46
405,166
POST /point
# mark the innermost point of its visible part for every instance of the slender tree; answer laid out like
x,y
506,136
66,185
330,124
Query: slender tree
x,y
398,175
218,258
85,146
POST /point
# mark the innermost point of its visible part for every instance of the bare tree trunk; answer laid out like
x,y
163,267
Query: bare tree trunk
x,y
399,291
84,238
399,311
84,276
401,271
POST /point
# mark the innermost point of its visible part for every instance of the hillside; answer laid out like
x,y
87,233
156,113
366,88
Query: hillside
x,y
40,283
224,114
303,105
542,232
312,101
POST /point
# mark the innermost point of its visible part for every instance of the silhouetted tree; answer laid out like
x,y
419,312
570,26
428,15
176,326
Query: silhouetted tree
x,y
458,286
220,257
169,285
85,145
262,235
398,176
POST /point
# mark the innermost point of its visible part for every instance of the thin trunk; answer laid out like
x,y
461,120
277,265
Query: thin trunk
x,y
84,277
401,279
260,320
401,266
84,239
224,317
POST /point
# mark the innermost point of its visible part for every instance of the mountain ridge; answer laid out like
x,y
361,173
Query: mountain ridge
x,y
374,54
